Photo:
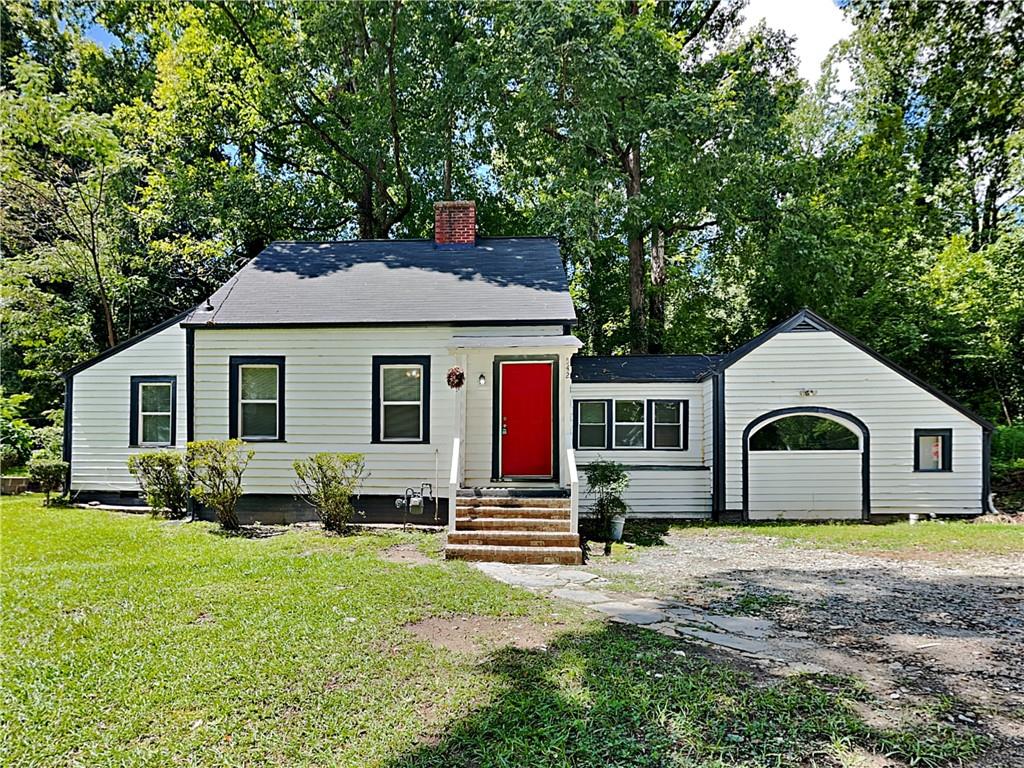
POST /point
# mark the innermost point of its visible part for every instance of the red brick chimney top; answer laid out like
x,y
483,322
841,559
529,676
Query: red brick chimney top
x,y
455,223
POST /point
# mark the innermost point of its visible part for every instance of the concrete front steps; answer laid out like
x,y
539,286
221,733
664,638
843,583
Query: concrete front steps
x,y
509,527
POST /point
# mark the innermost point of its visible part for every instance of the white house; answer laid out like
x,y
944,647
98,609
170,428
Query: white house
x,y
349,346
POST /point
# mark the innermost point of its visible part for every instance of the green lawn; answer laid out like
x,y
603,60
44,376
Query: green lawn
x,y
930,536
132,642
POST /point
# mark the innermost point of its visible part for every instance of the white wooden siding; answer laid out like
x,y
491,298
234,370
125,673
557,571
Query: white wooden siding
x,y
328,400
669,493
805,485
101,405
847,379
708,424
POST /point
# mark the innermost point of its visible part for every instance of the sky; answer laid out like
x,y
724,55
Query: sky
x,y
817,25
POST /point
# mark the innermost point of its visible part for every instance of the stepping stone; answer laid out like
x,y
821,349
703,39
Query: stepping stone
x,y
630,613
584,596
648,602
666,628
577,577
682,613
736,643
741,625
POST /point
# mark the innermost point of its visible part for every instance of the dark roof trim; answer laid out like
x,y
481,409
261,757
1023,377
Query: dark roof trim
x,y
395,324
125,344
805,316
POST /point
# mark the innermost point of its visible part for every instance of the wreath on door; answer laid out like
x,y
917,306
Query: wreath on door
x,y
456,377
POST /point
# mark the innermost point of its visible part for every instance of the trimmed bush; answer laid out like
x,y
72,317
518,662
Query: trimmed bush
x,y
215,469
161,476
607,481
48,472
327,481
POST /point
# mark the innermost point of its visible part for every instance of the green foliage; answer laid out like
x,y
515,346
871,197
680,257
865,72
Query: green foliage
x,y
607,481
163,479
15,433
327,482
215,470
48,473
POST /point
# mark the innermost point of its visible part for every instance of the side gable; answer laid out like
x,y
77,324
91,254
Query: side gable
x,y
178,318
806,321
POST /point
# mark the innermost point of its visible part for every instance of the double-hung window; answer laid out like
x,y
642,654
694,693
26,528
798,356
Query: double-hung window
x,y
401,399
668,424
630,424
933,450
153,411
592,424
257,398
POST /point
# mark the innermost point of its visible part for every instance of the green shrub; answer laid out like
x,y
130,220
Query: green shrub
x,y
49,440
162,477
327,481
15,432
215,469
606,481
48,472
8,458
1008,458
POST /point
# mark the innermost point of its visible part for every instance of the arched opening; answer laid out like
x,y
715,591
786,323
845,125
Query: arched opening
x,y
806,463
804,432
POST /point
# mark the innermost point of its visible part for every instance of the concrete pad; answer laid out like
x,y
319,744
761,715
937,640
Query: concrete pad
x,y
584,596
631,614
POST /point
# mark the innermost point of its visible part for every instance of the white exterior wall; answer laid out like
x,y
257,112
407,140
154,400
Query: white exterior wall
x,y
328,399
101,405
708,424
847,379
671,484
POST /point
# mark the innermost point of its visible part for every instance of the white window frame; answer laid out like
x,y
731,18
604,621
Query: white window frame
x,y
243,401
642,423
168,413
384,403
580,424
681,424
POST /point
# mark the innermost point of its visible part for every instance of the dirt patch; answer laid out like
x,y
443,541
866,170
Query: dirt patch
x,y
406,554
476,635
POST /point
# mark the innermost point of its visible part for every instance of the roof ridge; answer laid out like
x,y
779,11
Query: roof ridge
x,y
408,239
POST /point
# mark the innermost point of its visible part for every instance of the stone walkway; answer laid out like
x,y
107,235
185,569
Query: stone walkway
x,y
754,637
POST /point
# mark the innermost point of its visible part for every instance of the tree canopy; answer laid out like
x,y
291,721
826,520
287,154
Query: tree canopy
x,y
700,190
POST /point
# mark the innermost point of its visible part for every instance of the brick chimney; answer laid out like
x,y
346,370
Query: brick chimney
x,y
455,223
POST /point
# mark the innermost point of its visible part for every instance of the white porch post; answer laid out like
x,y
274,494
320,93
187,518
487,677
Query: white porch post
x,y
457,470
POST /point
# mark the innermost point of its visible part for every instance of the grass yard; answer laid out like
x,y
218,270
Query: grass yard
x,y
939,537
132,642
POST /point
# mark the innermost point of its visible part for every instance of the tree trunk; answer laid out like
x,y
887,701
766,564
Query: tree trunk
x,y
108,315
656,322
637,265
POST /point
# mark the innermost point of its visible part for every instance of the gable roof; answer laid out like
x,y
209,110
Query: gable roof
x,y
111,351
504,280
641,368
806,320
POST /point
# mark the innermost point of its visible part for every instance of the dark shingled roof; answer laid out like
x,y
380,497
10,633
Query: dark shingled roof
x,y
364,282
641,368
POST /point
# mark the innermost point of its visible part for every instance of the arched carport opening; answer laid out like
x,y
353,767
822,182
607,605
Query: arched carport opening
x,y
790,437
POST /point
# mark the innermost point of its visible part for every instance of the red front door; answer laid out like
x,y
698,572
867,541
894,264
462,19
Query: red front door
x,y
526,420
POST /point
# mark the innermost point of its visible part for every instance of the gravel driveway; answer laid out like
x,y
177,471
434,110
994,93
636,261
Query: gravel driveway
x,y
919,629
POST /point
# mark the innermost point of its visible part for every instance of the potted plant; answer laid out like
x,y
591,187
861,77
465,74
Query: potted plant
x,y
607,481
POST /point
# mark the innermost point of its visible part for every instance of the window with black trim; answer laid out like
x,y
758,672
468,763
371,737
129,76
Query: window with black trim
x,y
257,392
591,424
401,399
668,424
630,424
153,405
933,450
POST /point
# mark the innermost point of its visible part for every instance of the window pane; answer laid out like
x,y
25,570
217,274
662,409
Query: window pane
x,y
929,452
629,436
156,429
804,433
402,384
629,410
666,436
666,413
259,420
401,422
591,413
156,397
259,383
592,436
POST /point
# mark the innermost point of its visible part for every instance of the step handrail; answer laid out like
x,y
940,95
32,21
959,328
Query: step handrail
x,y
574,490
453,484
